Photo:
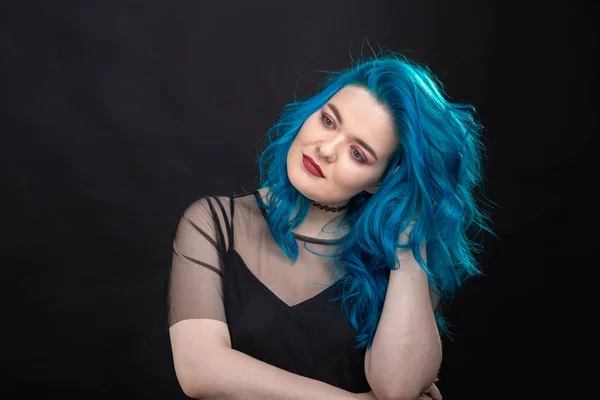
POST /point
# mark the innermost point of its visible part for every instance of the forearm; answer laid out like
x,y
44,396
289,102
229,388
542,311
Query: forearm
x,y
406,351
235,375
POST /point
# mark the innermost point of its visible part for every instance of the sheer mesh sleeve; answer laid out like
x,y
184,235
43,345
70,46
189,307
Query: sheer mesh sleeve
x,y
195,285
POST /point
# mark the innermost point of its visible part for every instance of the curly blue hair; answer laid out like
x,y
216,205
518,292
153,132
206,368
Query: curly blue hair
x,y
429,184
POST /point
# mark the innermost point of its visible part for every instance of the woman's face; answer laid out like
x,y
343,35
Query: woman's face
x,y
350,139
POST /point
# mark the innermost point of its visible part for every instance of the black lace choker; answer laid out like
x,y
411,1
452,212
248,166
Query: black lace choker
x,y
327,208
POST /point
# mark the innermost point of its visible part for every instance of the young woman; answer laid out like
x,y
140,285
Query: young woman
x,y
326,282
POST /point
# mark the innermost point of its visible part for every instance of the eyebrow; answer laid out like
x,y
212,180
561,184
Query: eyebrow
x,y
364,144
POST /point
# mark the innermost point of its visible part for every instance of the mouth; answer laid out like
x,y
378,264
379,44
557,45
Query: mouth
x,y
312,167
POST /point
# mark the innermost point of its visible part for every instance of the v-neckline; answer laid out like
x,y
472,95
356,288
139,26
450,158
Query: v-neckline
x,y
272,294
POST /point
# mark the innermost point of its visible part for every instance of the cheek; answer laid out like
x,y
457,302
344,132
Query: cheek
x,y
355,178
310,127
293,154
298,142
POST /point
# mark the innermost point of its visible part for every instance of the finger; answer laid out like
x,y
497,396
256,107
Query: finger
x,y
434,393
425,397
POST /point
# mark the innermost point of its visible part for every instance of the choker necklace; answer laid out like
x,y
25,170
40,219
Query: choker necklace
x,y
327,208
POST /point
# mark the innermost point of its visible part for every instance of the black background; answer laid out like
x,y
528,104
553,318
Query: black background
x,y
116,115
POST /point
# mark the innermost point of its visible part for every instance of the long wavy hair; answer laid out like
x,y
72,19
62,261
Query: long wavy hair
x,y
430,184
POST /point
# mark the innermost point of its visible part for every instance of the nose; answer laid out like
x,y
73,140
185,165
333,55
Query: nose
x,y
328,148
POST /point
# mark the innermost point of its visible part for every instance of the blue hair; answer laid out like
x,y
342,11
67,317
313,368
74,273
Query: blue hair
x,y
428,189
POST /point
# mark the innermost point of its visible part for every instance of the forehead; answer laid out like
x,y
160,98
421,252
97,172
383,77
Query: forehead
x,y
365,117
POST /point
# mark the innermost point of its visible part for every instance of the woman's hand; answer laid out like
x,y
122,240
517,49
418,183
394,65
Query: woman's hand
x,y
432,393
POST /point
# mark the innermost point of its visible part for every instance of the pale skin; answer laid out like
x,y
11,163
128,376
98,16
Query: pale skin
x,y
351,138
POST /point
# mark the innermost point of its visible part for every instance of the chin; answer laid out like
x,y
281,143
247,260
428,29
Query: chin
x,y
311,188
301,183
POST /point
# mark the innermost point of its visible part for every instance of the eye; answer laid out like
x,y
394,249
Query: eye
x,y
358,155
328,122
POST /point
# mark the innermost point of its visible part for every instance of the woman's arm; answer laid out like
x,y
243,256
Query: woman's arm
x,y
406,352
208,368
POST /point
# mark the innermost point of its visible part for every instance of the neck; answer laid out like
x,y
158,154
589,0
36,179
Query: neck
x,y
318,222
327,208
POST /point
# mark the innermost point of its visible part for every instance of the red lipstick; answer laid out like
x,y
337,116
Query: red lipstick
x,y
312,167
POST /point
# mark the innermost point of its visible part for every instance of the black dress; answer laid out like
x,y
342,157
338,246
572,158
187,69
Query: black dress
x,y
226,266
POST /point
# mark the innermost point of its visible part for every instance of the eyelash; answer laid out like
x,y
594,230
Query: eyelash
x,y
362,158
324,117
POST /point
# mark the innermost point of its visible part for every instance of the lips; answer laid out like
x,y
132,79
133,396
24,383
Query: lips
x,y
312,167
